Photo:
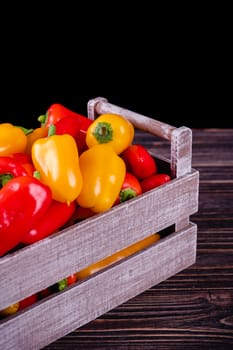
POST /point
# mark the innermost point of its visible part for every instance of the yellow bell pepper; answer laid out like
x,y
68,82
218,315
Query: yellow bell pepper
x,y
56,159
113,129
12,139
103,173
33,136
10,310
121,254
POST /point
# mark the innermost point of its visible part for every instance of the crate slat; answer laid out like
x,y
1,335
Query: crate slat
x,y
44,263
58,315
40,265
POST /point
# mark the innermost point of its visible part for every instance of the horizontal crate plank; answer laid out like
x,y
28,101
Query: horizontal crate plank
x,y
53,318
193,309
44,263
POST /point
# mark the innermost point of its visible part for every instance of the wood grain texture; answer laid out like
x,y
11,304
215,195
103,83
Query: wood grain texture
x,y
40,265
193,309
98,294
100,105
96,238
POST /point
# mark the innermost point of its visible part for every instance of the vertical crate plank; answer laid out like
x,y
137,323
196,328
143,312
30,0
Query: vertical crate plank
x,y
181,151
181,159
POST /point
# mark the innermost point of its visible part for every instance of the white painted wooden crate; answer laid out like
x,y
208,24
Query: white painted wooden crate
x,y
42,264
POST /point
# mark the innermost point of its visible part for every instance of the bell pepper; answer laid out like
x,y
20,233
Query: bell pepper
x,y
12,139
12,165
59,286
139,161
10,310
25,161
54,219
56,159
23,201
153,181
71,279
132,249
33,136
113,129
56,112
81,214
103,173
130,188
56,287
28,301
16,164
76,127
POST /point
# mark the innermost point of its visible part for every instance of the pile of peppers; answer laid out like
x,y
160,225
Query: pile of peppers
x,y
68,169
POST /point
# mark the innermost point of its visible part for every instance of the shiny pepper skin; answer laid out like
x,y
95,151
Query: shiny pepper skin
x,y
130,188
139,161
124,253
10,310
23,201
33,136
12,139
112,129
103,173
153,181
56,159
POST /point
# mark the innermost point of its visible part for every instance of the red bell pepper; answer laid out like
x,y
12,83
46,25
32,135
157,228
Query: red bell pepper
x,y
16,164
80,214
153,181
23,201
130,188
54,219
56,112
25,160
28,301
67,122
12,166
44,293
139,161
71,279
77,127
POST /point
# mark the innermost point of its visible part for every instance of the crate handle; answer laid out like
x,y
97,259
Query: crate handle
x,y
180,138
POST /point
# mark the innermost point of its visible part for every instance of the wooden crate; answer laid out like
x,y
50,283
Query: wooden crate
x,y
42,264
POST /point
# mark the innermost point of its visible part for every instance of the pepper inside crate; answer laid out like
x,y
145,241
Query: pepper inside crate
x,y
162,167
84,273
165,210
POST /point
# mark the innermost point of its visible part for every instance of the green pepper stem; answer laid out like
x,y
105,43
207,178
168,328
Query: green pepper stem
x,y
4,178
42,119
25,130
126,194
103,132
52,130
36,174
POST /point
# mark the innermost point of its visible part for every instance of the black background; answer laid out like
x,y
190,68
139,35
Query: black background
x,y
193,98
174,66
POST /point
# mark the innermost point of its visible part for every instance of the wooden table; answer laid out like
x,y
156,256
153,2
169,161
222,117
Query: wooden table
x,y
193,309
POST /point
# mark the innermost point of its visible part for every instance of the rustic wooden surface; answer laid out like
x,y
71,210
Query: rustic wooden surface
x,y
194,308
